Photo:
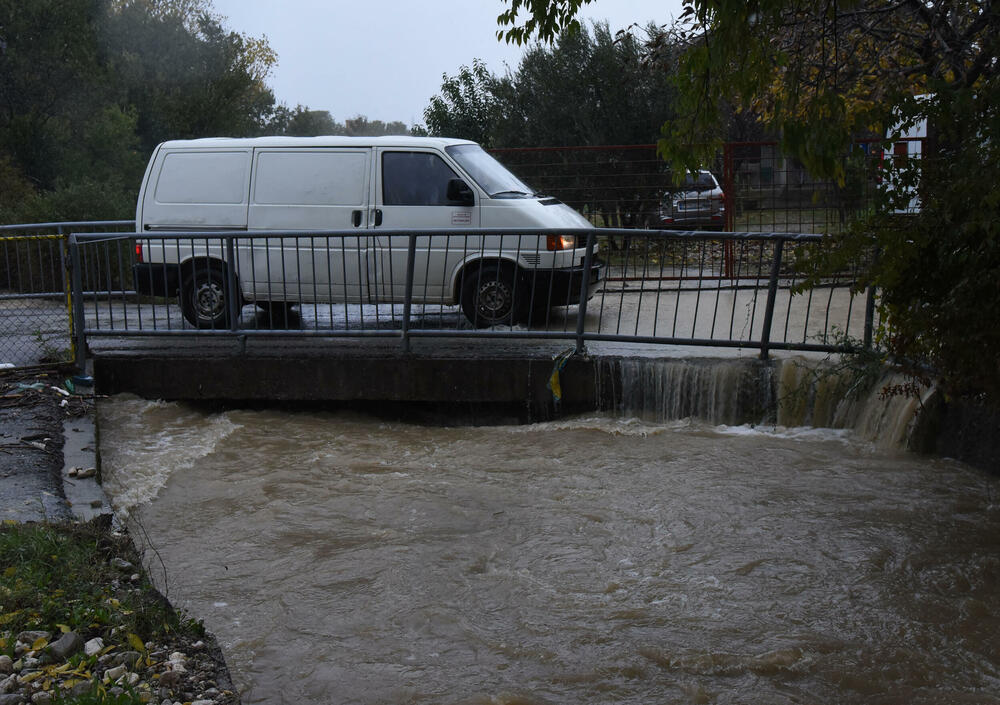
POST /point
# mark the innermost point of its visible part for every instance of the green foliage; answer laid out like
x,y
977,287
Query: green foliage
x,y
55,577
470,105
819,76
589,87
89,87
545,19
100,695
303,122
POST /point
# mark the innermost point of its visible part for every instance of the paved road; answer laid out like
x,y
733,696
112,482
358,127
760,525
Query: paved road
x,y
31,460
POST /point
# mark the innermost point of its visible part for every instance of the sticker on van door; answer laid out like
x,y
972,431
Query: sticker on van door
x,y
461,218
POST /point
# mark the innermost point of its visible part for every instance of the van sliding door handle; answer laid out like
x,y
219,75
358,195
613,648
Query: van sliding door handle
x,y
356,218
378,217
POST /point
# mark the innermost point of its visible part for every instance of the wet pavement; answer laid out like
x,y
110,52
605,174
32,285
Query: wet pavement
x,y
47,450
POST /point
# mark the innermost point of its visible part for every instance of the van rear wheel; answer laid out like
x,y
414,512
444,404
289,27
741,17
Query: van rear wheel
x,y
491,297
203,297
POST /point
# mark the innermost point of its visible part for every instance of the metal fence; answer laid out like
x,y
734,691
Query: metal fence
x,y
725,290
35,317
760,189
618,188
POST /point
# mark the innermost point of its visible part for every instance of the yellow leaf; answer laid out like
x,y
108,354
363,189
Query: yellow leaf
x,y
136,643
10,572
32,676
114,603
9,617
64,629
39,643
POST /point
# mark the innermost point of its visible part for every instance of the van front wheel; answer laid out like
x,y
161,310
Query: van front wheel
x,y
490,298
203,298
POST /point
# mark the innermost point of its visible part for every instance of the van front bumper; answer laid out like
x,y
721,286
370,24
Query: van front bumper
x,y
156,279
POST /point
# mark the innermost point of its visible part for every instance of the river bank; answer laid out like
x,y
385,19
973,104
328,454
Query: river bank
x,y
80,620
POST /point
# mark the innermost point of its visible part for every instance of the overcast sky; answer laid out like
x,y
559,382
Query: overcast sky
x,y
384,59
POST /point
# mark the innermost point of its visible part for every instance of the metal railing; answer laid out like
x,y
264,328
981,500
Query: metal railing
x,y
725,290
35,316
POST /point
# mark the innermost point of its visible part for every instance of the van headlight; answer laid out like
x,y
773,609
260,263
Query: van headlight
x,y
560,242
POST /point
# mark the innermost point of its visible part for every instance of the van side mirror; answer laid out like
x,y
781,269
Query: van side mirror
x,y
460,193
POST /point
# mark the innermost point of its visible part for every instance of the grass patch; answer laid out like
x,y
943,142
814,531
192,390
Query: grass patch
x,y
82,578
78,576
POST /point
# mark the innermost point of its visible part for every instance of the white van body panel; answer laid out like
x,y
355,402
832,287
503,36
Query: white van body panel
x,y
308,189
530,213
196,189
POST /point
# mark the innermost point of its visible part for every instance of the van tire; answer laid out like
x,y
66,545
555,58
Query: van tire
x,y
491,296
203,297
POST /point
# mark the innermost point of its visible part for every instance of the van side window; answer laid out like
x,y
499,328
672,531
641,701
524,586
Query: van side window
x,y
203,177
415,179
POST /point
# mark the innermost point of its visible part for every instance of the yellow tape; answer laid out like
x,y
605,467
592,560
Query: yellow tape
x,y
21,238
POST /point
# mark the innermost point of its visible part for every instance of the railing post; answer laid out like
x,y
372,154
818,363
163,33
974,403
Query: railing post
x,y
581,309
729,186
729,199
78,323
67,289
772,295
232,293
870,307
411,256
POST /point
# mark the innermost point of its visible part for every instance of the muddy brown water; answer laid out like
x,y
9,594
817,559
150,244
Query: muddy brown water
x,y
343,559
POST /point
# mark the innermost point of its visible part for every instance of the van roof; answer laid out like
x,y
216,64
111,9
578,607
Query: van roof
x,y
323,141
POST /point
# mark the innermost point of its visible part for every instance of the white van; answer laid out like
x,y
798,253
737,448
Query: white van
x,y
362,185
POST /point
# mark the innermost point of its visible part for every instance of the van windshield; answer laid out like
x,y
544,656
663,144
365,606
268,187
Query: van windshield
x,y
491,175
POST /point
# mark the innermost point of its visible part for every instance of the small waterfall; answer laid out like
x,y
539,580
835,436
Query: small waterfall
x,y
731,392
789,392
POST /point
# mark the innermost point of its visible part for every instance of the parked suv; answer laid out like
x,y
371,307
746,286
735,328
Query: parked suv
x,y
697,203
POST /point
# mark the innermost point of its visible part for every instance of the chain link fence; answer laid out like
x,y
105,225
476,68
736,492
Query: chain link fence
x,y
35,312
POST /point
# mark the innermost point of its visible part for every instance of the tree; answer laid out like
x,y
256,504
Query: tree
x,y
471,105
89,87
588,88
819,75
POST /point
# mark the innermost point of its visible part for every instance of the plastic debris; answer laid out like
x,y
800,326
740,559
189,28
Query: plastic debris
x,y
554,385
36,386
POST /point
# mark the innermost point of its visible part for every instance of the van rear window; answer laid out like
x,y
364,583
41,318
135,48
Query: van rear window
x,y
203,177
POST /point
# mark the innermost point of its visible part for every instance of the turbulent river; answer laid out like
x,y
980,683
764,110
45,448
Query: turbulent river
x,y
344,559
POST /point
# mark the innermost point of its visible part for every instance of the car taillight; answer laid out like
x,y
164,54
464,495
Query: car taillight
x,y
138,252
560,242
